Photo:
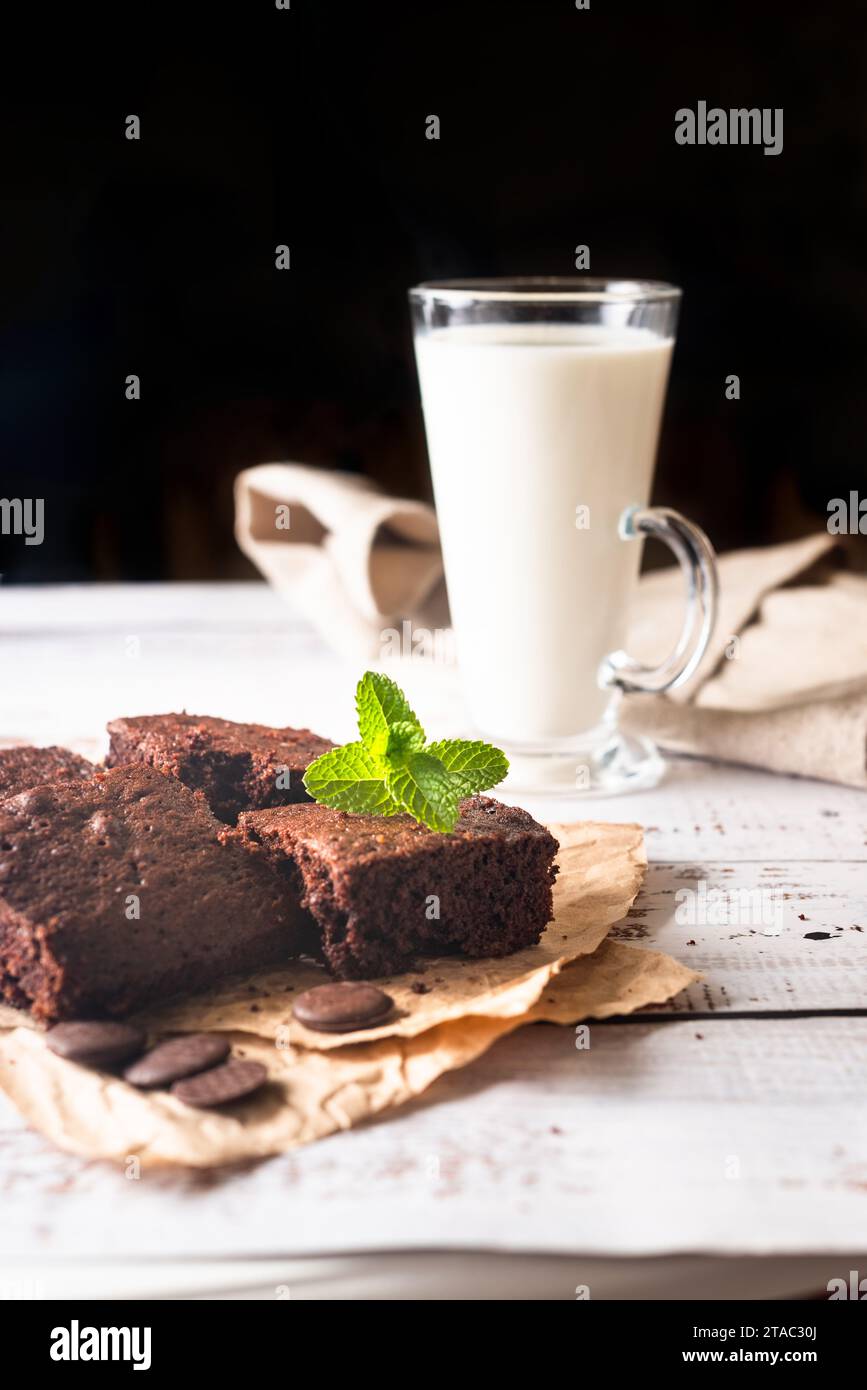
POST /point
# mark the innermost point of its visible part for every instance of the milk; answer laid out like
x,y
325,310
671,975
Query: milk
x,y
525,426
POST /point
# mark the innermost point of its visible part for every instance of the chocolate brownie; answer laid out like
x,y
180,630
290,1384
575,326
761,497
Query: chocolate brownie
x,y
21,768
238,766
384,890
117,892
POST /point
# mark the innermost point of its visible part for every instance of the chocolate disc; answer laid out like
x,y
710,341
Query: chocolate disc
x,y
232,1081
342,1007
179,1057
97,1043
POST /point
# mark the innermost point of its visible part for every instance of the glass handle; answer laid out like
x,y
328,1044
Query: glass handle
x,y
697,561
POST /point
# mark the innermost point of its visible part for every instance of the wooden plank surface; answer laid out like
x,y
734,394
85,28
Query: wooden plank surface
x,y
729,1135
695,1130
768,937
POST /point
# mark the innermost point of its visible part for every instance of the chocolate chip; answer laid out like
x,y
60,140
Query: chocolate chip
x,y
342,1007
95,1044
177,1058
232,1081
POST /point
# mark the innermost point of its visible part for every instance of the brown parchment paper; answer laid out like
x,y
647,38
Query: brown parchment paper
x,y
311,1093
601,870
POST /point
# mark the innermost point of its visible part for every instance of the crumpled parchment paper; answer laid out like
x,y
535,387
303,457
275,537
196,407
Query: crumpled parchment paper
x,y
321,1083
601,869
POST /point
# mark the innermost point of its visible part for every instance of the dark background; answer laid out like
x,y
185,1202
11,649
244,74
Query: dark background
x,y
307,127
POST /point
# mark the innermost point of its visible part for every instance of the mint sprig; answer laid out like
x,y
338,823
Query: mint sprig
x,y
351,778
421,785
394,769
473,766
381,706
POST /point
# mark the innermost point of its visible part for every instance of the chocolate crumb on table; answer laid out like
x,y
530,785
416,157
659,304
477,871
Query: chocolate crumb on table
x,y
237,766
117,892
383,891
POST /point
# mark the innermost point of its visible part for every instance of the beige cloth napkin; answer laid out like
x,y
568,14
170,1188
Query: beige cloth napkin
x,y
782,686
353,560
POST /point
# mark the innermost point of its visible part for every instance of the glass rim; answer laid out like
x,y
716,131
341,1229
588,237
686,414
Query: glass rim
x,y
546,289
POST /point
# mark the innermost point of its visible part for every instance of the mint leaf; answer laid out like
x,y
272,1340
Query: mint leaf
x,y
390,770
404,738
423,787
380,705
474,766
351,778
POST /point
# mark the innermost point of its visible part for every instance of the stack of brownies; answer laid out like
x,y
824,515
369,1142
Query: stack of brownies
x,y
195,854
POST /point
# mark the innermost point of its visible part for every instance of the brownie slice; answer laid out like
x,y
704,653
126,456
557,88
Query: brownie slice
x,y
21,768
117,892
238,766
384,890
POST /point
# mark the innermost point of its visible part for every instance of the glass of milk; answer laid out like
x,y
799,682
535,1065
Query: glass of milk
x,y
542,403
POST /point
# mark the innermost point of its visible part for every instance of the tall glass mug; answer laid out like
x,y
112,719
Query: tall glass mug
x,y
542,403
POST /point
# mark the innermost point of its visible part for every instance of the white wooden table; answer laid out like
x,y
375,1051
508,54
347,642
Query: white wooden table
x,y
732,1123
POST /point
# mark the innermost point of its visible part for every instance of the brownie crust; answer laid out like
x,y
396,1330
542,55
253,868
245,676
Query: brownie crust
x,y
385,890
21,768
117,892
236,766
